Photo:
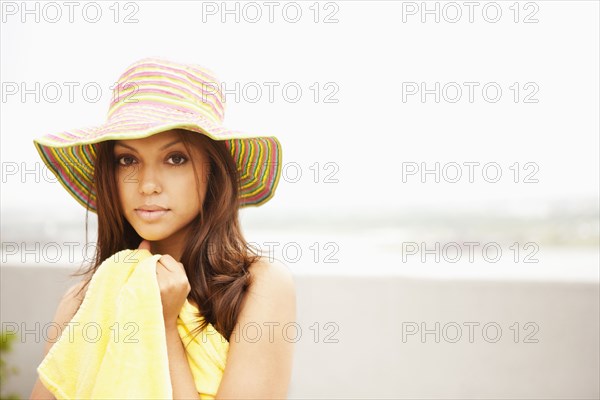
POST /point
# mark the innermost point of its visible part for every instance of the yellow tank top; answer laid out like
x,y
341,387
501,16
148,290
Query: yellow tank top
x,y
206,351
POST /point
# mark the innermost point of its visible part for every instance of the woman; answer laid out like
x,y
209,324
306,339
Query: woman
x,y
164,175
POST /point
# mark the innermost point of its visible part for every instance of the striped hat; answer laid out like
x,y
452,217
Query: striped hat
x,y
155,95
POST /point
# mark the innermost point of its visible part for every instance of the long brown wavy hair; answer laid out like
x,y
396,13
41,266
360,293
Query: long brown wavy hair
x,y
216,256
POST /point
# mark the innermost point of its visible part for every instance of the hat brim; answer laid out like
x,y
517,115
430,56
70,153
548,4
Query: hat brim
x,y
70,155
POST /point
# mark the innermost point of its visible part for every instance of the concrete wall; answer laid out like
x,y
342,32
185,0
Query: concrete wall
x,y
355,337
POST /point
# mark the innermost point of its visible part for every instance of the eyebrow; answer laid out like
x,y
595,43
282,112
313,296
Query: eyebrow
x,y
162,148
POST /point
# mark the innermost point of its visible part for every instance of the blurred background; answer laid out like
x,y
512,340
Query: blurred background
x,y
429,149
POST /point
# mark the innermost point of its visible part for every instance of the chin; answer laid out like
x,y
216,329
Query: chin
x,y
152,235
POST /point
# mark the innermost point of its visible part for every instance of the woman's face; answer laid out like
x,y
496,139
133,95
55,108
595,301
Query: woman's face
x,y
157,187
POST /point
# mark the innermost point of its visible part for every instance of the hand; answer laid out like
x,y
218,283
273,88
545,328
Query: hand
x,y
173,283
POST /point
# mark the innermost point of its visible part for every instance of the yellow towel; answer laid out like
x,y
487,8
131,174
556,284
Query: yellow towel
x,y
115,345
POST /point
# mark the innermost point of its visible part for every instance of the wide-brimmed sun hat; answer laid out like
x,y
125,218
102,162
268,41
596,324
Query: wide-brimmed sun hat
x,y
155,95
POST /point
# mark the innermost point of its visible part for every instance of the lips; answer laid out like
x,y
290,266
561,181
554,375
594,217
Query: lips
x,y
151,207
151,212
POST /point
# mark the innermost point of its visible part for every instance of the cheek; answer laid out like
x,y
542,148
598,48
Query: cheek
x,y
189,192
123,187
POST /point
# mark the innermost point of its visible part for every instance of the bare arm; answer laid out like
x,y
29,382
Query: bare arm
x,y
261,369
65,311
182,379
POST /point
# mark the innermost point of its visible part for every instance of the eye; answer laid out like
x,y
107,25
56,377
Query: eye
x,y
125,160
178,159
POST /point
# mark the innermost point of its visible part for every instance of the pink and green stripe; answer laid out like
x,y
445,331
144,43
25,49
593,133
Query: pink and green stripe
x,y
167,96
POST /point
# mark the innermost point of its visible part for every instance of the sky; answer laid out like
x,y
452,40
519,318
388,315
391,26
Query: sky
x,y
516,90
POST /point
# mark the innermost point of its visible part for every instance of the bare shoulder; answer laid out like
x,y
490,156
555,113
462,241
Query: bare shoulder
x,y
67,308
272,277
76,293
70,302
265,268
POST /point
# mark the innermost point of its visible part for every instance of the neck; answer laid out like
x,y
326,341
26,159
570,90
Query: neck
x,y
173,245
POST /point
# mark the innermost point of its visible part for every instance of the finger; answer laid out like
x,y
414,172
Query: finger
x,y
164,264
170,263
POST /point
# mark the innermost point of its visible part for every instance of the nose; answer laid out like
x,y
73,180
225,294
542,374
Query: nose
x,y
149,181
